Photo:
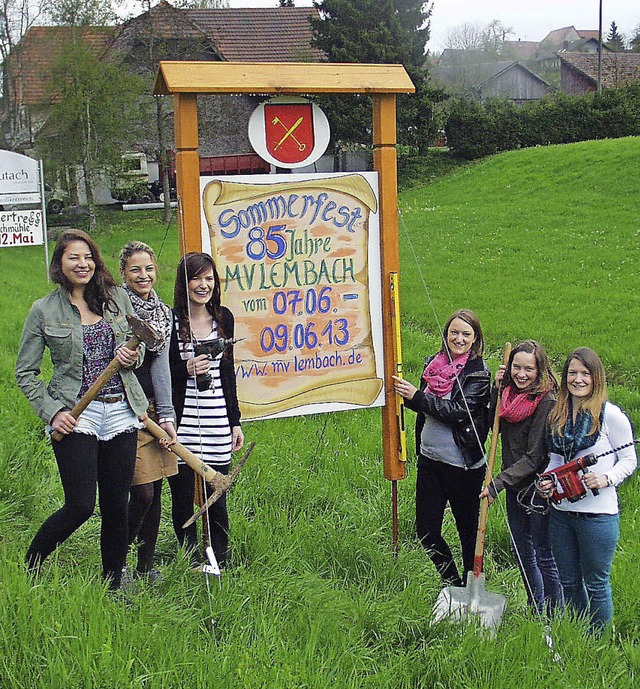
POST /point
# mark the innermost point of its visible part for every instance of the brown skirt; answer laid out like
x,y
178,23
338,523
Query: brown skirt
x,y
153,462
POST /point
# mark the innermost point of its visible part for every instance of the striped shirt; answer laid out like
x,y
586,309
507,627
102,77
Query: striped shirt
x,y
204,428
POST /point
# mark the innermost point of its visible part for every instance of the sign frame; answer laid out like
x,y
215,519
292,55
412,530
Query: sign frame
x,y
185,81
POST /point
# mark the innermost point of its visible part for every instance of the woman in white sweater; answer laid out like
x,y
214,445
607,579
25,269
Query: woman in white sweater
x,y
584,533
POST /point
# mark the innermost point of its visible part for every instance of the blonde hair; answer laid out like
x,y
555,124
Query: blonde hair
x,y
592,404
135,247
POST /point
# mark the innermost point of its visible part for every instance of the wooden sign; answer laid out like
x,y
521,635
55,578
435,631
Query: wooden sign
x,y
298,258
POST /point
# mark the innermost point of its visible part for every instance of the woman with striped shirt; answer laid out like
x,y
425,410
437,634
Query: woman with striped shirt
x,y
208,419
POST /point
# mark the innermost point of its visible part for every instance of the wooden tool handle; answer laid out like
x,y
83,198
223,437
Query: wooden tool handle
x,y
210,475
88,397
484,503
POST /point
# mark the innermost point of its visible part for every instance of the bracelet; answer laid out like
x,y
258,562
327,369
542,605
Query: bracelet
x,y
165,419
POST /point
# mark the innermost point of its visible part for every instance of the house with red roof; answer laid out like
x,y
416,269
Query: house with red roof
x,y
278,34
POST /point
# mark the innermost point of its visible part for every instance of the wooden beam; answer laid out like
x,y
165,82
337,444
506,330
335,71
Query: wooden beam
x,y
385,164
280,77
185,124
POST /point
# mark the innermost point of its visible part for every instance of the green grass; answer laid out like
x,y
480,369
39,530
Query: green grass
x,y
541,243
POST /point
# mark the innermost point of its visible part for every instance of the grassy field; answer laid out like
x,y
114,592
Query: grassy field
x,y
541,243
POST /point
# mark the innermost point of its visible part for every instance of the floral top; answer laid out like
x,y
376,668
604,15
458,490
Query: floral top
x,y
98,349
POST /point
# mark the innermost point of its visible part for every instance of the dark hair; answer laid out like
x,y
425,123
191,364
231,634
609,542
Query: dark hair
x,y
592,404
191,266
470,318
99,290
546,379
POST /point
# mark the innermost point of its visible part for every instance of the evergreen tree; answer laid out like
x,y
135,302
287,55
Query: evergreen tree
x,y
615,40
287,3
378,32
634,43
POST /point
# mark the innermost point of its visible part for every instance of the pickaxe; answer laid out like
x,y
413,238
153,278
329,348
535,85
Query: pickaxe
x,y
142,332
289,133
218,482
224,482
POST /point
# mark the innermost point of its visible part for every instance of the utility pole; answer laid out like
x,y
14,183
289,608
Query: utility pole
x,y
600,49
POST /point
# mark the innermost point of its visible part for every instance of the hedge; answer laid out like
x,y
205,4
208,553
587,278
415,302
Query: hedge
x,y
476,129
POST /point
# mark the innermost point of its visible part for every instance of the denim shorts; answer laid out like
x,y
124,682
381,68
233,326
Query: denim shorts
x,y
106,420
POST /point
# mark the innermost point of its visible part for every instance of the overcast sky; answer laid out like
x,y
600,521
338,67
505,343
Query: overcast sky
x,y
531,20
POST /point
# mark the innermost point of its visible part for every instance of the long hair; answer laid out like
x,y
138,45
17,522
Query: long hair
x,y
99,290
546,379
470,318
135,247
191,266
592,404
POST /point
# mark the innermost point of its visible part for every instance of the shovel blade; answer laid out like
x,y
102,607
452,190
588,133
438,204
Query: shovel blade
x,y
459,603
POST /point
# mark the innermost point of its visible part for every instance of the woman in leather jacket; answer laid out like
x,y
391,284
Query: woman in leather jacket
x,y
452,424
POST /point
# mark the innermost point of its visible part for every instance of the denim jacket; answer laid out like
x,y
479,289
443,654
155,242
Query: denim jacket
x,y
54,322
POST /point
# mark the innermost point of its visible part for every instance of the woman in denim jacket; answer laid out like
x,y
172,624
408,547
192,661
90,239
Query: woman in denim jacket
x,y
83,324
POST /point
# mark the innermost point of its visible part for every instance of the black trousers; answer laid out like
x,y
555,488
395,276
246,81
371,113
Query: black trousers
x,y
182,497
145,509
436,485
86,464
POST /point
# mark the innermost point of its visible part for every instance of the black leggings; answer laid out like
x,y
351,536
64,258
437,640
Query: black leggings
x,y
182,496
84,463
145,508
438,483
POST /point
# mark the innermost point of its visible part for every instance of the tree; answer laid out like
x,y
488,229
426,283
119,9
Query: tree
x,y
16,16
615,40
465,36
148,42
488,39
94,114
494,35
634,42
83,12
377,31
287,3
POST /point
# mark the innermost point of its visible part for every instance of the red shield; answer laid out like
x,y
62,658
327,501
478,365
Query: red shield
x,y
289,131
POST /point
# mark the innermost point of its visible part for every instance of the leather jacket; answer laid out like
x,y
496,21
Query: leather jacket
x,y
461,413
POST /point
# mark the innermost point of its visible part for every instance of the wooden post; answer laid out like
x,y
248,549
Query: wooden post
x,y
188,170
385,164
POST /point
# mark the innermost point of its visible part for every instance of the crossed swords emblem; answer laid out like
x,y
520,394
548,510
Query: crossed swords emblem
x,y
289,133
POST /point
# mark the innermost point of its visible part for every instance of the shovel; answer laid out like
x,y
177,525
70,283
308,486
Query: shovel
x,y
462,602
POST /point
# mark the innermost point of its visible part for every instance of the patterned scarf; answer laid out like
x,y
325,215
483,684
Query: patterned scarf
x,y
440,375
516,406
575,436
155,312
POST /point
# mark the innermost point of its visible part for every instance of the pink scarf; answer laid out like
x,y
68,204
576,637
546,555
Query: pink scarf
x,y
516,406
440,375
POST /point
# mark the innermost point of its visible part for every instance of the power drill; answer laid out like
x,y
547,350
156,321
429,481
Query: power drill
x,y
567,482
211,348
